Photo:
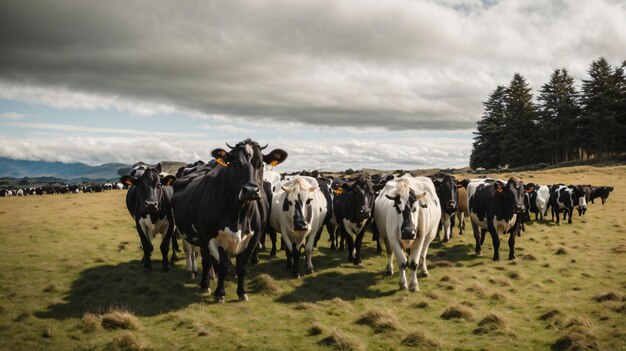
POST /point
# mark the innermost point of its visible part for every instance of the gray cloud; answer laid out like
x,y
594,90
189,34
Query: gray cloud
x,y
392,64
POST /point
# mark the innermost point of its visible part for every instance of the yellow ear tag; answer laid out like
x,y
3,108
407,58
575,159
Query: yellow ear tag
x,y
273,163
220,161
338,191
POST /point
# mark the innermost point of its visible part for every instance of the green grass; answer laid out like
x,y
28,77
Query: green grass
x,y
71,278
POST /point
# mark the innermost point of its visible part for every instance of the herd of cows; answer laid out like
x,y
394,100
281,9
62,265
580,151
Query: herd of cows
x,y
229,205
61,189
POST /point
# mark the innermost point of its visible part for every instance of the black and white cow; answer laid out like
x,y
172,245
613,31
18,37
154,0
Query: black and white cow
x,y
448,194
564,199
407,215
495,206
149,202
537,197
298,210
352,209
224,210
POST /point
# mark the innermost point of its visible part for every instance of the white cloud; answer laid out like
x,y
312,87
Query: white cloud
x,y
393,64
12,116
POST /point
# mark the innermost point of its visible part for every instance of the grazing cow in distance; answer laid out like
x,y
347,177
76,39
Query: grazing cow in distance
x,y
462,205
496,206
538,197
297,211
352,209
148,201
406,216
565,198
224,209
602,192
448,194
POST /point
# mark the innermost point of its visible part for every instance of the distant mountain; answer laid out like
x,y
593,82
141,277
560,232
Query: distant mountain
x,y
22,168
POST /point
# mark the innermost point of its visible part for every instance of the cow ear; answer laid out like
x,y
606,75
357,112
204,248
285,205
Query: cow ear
x,y
437,182
168,180
220,154
421,196
286,189
128,180
276,157
464,183
158,167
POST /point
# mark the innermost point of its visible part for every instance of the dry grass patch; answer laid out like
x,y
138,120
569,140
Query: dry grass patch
x,y
342,342
264,284
499,281
316,329
120,319
529,257
451,280
498,296
305,306
515,275
380,320
421,305
89,323
420,338
458,311
561,251
127,341
619,250
443,263
576,338
433,295
491,322
550,314
579,321
50,288
478,289
610,296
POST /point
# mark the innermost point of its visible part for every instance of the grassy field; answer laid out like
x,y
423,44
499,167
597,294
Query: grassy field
x,y
70,278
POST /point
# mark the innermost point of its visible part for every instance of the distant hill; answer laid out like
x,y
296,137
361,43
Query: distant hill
x,y
67,171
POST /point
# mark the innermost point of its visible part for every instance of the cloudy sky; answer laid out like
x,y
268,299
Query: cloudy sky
x,y
338,84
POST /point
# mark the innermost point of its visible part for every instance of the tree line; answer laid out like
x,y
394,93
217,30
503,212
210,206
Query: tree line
x,y
565,122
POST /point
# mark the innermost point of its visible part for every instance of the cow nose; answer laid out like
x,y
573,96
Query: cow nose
x,y
300,225
250,192
408,234
151,206
364,213
520,208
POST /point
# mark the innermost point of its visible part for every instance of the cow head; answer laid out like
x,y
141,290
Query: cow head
x,y
513,192
578,194
364,196
449,194
297,203
148,186
405,201
244,167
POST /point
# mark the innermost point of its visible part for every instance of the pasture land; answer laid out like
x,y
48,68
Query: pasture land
x,y
70,278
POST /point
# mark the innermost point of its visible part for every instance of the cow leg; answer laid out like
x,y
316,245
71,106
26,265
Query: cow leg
x,y
496,241
413,264
357,247
349,245
512,245
332,231
207,262
165,247
424,252
146,244
477,238
342,239
376,238
241,260
289,251
295,267
402,263
390,254
452,219
272,233
318,235
190,259
309,252
569,212
222,272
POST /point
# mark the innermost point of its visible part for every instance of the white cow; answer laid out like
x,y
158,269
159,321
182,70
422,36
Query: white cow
x,y
406,214
271,177
298,210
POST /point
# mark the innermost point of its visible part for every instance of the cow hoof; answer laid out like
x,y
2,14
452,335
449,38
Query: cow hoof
x,y
513,258
496,259
174,258
243,297
404,287
310,271
425,274
414,288
360,264
478,253
193,275
220,299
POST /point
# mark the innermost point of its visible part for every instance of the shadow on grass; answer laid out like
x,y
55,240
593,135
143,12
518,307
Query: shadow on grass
x,y
125,285
330,285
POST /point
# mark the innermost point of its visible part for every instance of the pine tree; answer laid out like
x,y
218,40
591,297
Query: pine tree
x,y
559,113
598,127
486,146
518,148
620,108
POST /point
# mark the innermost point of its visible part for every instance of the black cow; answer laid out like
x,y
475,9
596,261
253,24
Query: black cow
x,y
448,194
496,207
149,202
224,210
352,211
325,187
601,192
